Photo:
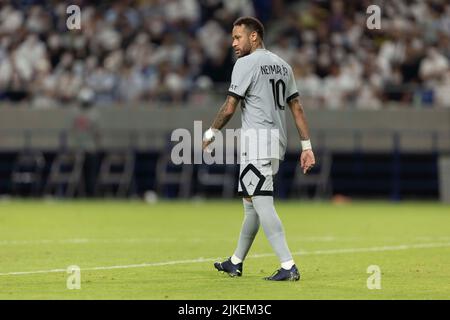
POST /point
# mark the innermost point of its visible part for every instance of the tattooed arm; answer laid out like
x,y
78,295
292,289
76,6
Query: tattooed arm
x,y
307,159
223,116
225,113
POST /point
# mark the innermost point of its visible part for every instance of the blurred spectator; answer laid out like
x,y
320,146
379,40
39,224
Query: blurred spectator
x,y
176,50
433,67
443,92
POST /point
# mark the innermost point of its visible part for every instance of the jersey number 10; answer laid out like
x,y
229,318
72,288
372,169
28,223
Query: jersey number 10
x,y
276,86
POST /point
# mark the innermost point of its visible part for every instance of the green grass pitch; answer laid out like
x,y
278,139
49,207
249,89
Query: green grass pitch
x,y
135,250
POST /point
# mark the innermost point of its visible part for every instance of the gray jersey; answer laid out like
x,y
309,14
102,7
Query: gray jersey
x,y
265,83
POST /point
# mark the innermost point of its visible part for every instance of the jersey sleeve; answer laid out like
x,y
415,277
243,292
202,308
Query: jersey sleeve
x,y
291,90
241,78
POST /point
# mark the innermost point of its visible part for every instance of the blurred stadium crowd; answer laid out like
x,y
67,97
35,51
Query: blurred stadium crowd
x,y
163,50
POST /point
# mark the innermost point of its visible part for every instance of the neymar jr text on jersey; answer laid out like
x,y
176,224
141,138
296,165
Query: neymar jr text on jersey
x,y
274,69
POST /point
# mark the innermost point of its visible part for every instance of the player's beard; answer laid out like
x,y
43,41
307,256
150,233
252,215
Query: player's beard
x,y
245,50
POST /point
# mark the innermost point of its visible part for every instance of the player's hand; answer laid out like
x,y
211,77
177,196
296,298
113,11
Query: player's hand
x,y
208,137
307,160
205,144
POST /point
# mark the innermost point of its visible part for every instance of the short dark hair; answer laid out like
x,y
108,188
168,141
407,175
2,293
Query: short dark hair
x,y
251,23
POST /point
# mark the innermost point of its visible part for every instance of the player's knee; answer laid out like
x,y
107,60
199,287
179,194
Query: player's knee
x,y
247,199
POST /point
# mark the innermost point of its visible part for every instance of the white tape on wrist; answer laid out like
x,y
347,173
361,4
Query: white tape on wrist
x,y
306,145
209,135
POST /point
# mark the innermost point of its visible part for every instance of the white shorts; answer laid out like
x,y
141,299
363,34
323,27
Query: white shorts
x,y
256,177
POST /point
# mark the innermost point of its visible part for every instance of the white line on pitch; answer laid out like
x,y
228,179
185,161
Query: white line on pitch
x,y
199,260
148,240
192,240
85,240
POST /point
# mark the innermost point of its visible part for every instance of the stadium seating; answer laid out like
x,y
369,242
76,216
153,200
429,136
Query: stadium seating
x,y
116,173
66,177
28,172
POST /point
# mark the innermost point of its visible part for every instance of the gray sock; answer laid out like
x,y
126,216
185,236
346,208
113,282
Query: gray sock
x,y
273,228
249,230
